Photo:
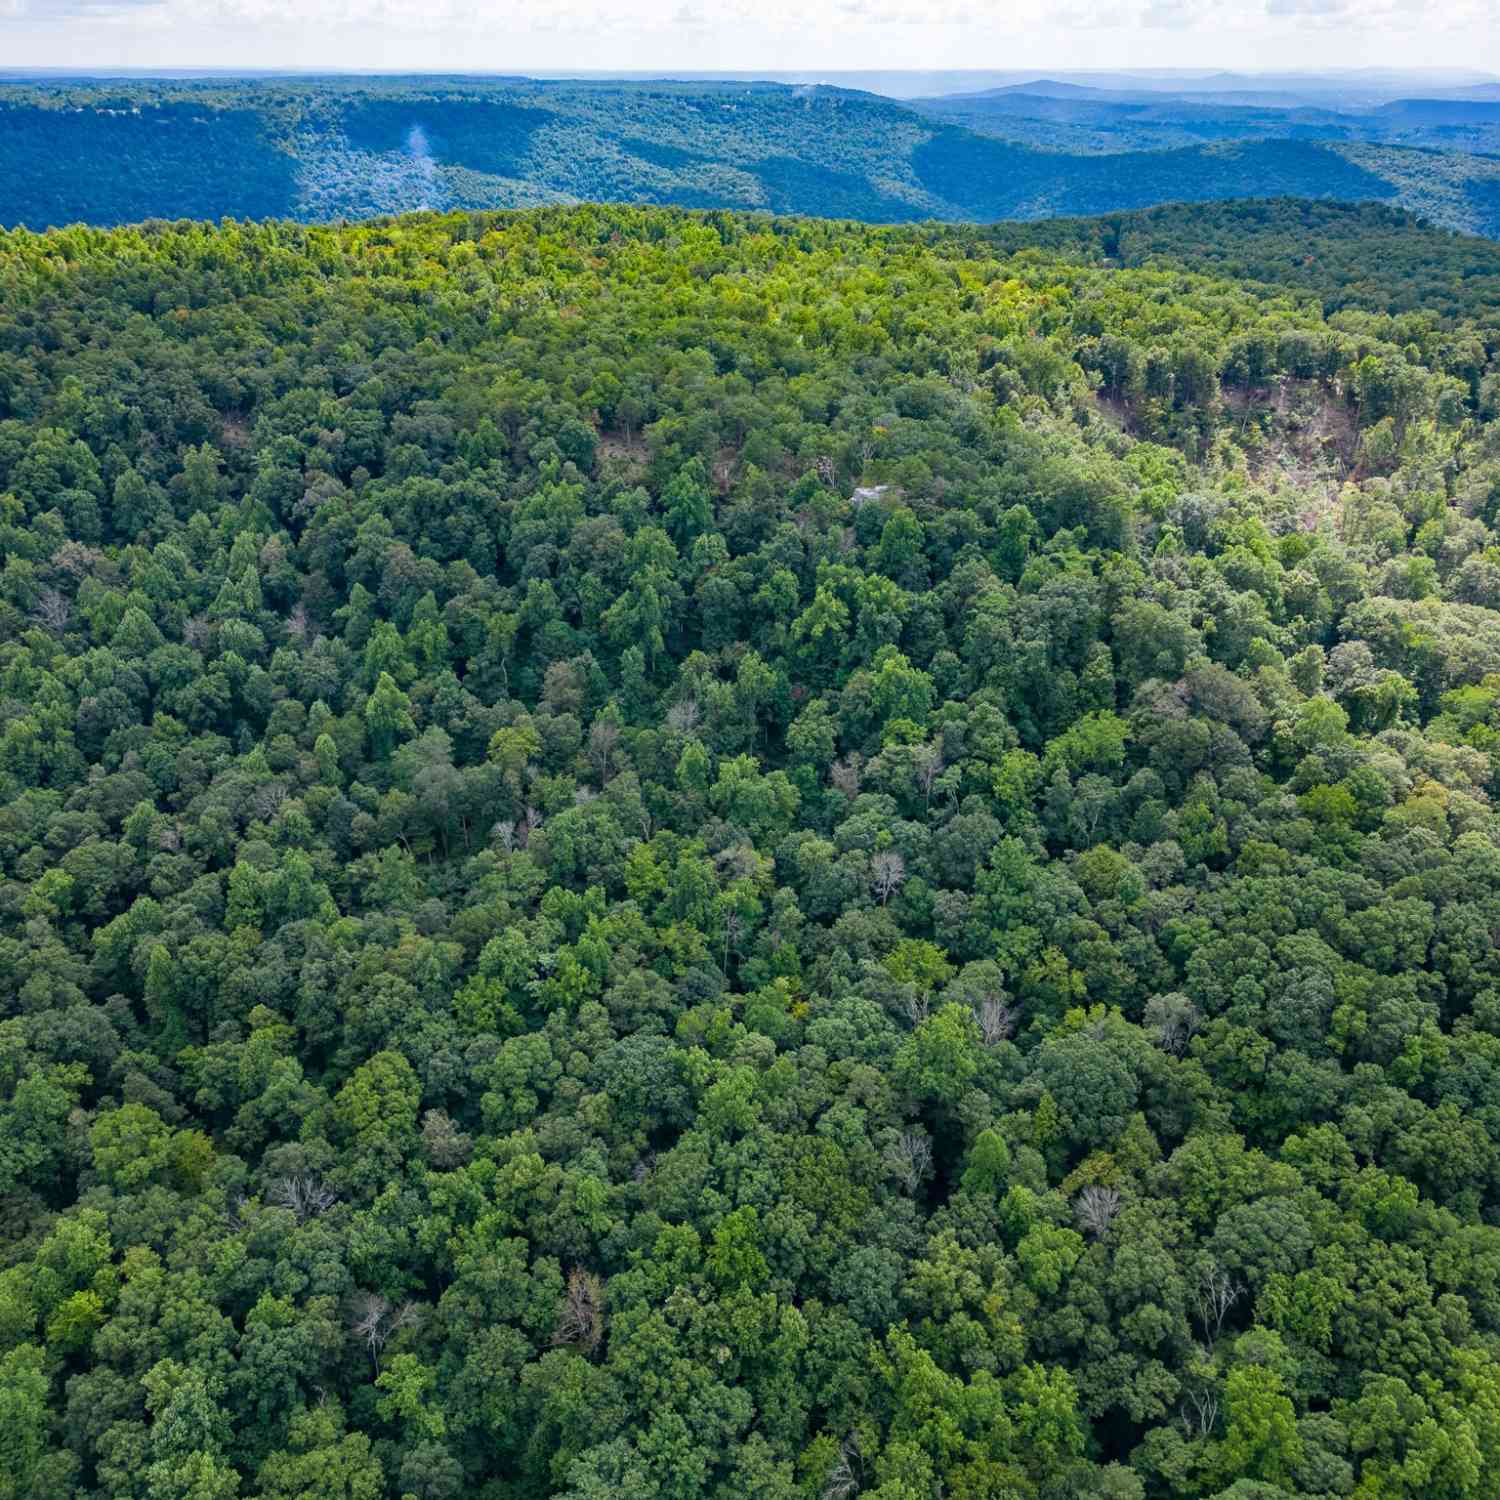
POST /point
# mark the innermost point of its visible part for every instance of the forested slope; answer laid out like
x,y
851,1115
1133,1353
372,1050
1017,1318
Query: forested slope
x,y
1354,256
325,149
662,855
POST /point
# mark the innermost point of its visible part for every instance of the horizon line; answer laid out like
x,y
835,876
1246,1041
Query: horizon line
x,y
289,70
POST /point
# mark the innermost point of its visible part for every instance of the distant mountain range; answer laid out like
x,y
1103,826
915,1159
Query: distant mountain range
x,y
1354,86
113,151
1063,115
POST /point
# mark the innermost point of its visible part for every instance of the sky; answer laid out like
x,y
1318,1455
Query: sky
x,y
519,36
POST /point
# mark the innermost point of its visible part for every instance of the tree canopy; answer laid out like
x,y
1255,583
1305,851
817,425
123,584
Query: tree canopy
x,y
648,854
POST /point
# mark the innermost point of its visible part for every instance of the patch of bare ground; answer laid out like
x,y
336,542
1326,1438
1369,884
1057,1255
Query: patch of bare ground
x,y
626,448
1300,418
725,462
1301,441
1114,409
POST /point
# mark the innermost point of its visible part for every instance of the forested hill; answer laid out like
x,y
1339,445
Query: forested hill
x,y
321,150
663,855
1347,255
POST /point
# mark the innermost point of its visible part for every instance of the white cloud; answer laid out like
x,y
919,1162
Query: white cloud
x,y
667,35
70,10
1369,14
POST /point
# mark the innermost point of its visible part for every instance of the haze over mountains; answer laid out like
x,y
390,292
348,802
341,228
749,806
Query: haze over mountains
x,y
1352,86
106,151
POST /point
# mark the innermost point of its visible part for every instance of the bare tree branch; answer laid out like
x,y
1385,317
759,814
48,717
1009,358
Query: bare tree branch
x,y
889,872
604,738
909,1159
1214,1293
928,764
684,716
1200,1411
844,1478
844,774
994,1018
52,611
367,1322
581,1321
1094,1210
306,1197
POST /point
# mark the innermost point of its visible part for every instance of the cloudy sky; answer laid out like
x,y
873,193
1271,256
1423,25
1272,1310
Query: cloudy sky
x,y
522,35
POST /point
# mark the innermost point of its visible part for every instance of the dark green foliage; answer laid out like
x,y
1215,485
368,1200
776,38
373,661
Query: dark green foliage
x,y
1361,257
652,855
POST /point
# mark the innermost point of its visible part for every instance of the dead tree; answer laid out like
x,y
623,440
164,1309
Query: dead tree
x,y
581,1321
1199,1413
909,1159
1214,1293
734,926
844,1478
888,871
845,776
1094,1210
52,611
529,825
298,624
368,1323
928,764
994,1019
266,800
604,737
684,716
373,1322
306,1197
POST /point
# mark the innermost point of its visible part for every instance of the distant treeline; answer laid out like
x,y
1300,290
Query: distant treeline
x,y
324,150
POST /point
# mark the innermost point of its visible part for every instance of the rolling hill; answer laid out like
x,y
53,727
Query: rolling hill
x,y
322,150
1061,116
650,855
1347,255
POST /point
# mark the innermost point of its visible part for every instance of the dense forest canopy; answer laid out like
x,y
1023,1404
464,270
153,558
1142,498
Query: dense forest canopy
x,y
1355,256
665,855
324,149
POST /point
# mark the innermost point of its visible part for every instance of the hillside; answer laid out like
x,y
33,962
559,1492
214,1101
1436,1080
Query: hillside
x,y
649,854
322,150
1350,256
1058,117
